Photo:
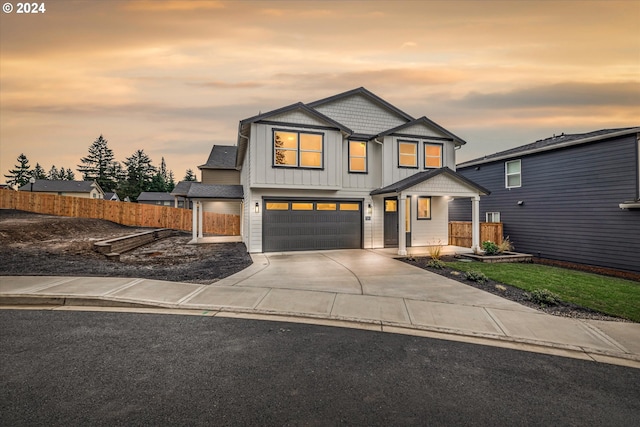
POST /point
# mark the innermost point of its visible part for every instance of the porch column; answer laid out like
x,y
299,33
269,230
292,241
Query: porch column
x,y
194,223
475,223
201,208
402,226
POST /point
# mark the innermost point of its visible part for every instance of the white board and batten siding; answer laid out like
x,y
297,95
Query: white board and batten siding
x,y
264,174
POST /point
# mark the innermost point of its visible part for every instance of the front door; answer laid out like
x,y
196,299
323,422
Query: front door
x,y
391,222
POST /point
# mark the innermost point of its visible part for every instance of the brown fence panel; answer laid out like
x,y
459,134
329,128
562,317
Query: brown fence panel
x,y
133,214
460,233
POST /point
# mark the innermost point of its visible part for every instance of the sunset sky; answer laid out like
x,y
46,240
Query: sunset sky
x,y
175,77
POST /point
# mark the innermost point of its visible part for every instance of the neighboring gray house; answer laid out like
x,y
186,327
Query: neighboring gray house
x,y
111,196
179,193
160,198
348,171
572,198
84,189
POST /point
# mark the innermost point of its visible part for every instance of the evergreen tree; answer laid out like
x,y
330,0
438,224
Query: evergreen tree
x,y
53,173
96,165
190,176
140,173
70,176
38,172
160,179
21,174
171,183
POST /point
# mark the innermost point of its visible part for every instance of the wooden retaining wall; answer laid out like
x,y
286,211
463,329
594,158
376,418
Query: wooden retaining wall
x,y
133,214
460,233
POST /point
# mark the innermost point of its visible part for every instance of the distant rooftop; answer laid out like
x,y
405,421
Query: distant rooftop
x,y
60,186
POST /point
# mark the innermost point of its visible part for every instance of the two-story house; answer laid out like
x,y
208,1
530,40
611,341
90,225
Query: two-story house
x,y
348,171
569,197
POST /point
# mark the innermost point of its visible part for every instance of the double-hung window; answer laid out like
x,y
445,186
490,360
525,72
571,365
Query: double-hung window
x,y
432,156
493,216
513,174
298,149
357,157
407,154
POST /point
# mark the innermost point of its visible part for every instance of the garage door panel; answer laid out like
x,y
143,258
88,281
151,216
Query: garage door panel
x,y
293,230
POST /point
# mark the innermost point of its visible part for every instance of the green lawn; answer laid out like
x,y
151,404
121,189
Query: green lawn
x,y
610,295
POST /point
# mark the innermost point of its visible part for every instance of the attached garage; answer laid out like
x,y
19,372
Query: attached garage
x,y
304,225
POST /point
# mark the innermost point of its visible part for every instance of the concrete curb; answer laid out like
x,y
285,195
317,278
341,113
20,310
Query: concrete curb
x,y
75,303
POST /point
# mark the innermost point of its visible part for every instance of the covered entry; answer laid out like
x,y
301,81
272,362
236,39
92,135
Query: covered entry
x,y
302,225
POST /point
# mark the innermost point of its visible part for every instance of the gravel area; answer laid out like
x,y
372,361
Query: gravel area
x,y
564,309
35,244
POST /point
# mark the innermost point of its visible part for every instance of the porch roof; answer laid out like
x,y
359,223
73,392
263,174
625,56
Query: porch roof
x,y
198,190
421,177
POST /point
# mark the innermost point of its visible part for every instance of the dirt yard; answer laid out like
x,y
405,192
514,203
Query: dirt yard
x,y
35,244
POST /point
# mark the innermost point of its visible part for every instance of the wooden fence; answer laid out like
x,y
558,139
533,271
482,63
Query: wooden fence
x,y
134,214
460,233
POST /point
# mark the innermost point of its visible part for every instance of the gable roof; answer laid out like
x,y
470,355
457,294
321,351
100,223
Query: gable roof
x,y
427,122
198,190
421,177
552,143
62,186
182,188
367,94
154,196
221,157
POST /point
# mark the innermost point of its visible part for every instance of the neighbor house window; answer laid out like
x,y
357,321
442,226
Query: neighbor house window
x,y
432,156
357,156
408,154
424,207
298,149
513,174
493,216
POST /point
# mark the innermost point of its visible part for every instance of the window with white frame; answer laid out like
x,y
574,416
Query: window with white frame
x,y
432,156
298,149
513,174
407,154
493,216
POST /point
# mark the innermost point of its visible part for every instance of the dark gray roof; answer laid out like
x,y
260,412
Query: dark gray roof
x,y
420,177
182,188
217,191
362,91
221,157
424,120
61,186
111,195
153,196
552,143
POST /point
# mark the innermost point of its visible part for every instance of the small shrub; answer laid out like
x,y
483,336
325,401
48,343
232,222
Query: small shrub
x,y
505,245
490,248
544,297
436,263
475,276
435,251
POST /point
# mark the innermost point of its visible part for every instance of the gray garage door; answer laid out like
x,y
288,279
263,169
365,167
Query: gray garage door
x,y
302,225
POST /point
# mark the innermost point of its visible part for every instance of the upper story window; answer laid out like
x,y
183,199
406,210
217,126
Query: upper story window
x,y
407,154
432,156
513,174
298,149
357,156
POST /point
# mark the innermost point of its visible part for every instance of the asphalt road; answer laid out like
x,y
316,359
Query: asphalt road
x,y
79,368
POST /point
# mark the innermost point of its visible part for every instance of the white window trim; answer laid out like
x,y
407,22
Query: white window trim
x,y
493,216
507,174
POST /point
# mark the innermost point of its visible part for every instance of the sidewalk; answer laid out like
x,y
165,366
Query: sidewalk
x,y
351,288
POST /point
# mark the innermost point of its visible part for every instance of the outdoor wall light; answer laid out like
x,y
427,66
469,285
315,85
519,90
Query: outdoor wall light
x,y
257,207
520,202
369,209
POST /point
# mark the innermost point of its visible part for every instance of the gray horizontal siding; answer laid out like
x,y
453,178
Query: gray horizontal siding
x,y
571,199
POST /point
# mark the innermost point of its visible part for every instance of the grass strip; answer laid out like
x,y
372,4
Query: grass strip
x,y
610,295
